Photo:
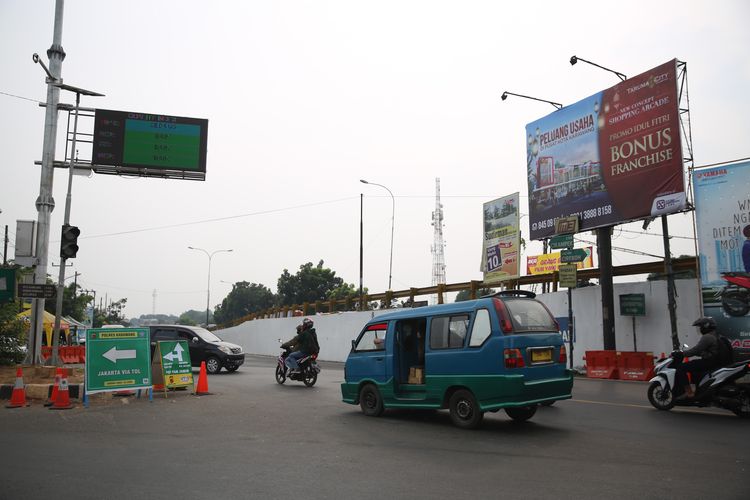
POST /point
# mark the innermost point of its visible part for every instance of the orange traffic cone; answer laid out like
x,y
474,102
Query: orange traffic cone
x,y
202,389
62,401
18,398
55,388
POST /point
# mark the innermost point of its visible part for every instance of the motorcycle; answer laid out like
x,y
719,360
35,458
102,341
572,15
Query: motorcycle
x,y
735,297
307,372
727,387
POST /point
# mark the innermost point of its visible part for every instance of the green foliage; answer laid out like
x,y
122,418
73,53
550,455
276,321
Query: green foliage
x,y
73,305
310,284
193,318
113,314
245,298
466,294
12,335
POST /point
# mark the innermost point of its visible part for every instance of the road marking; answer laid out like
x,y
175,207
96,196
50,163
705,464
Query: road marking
x,y
627,405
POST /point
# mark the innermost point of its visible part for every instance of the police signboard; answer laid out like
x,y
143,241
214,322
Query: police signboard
x,y
117,359
175,361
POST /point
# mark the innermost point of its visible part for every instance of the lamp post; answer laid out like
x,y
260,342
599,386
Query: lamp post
x,y
505,95
208,286
575,59
393,222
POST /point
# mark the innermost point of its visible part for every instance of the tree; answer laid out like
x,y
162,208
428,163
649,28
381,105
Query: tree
x,y
111,315
73,305
310,284
466,294
245,298
12,335
193,317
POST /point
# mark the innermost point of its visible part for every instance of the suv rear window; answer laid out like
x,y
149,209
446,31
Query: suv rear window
x,y
529,315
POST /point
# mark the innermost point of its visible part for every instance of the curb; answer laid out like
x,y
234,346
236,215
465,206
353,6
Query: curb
x,y
40,391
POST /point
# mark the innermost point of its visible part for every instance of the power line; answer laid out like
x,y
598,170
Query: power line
x,y
19,97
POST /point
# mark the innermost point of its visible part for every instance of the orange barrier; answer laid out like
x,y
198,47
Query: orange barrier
x,y
601,364
635,365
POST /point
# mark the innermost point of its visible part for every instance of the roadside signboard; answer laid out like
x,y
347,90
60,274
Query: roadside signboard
x,y
633,304
117,359
502,239
175,362
7,285
548,263
36,291
573,255
562,241
567,273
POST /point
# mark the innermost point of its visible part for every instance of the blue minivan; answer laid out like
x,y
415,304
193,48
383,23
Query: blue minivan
x,y
500,351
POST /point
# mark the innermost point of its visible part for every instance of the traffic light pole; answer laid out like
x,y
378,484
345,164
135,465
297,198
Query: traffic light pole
x,y
63,258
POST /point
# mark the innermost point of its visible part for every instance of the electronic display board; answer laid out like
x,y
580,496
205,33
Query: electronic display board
x,y
149,145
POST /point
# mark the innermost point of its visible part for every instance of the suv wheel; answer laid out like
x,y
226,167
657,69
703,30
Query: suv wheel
x,y
213,365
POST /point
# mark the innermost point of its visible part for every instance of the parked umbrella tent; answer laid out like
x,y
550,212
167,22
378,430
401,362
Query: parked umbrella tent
x,y
49,326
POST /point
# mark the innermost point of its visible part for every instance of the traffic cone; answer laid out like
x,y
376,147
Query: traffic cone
x,y
18,398
62,401
202,389
55,388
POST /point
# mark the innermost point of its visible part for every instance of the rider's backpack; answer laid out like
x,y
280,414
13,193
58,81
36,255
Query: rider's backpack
x,y
724,355
315,346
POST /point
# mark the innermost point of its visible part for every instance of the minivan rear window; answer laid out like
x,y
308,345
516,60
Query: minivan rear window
x,y
529,316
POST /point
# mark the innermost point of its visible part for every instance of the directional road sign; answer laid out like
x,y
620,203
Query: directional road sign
x,y
117,359
175,362
561,241
573,255
36,291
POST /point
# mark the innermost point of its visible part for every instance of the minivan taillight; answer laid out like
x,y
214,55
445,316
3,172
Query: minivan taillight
x,y
513,358
503,317
563,355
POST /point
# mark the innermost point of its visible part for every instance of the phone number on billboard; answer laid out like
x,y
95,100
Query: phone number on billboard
x,y
588,214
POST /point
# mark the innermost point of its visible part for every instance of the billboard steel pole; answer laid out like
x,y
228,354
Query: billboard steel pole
x,y
45,203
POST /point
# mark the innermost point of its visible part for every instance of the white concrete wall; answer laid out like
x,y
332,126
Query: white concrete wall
x,y
653,333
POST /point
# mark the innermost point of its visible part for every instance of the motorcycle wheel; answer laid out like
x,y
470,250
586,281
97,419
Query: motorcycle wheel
x,y
280,375
744,410
661,399
311,376
735,303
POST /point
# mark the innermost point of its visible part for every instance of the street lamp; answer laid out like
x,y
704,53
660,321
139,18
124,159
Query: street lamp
x,y
393,222
575,59
208,286
505,95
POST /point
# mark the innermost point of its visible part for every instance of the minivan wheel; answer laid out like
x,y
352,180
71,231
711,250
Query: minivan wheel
x,y
521,413
370,401
213,365
464,410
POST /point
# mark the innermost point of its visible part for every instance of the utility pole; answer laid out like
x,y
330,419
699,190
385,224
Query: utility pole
x,y
45,203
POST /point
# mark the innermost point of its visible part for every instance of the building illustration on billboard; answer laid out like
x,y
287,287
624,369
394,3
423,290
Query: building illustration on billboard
x,y
501,240
613,157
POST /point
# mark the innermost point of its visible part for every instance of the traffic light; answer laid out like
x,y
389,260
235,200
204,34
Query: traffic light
x,y
69,241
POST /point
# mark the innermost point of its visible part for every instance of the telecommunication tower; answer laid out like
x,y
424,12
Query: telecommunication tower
x,y
438,247
153,304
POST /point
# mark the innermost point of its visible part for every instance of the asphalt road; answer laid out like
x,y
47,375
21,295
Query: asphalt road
x,y
256,439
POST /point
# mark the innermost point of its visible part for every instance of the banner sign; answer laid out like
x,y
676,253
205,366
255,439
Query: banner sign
x,y
117,359
177,371
502,239
548,263
722,213
613,157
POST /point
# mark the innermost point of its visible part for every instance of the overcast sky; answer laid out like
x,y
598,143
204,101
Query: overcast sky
x,y
304,98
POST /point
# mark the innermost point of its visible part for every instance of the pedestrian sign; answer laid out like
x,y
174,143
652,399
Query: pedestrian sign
x,y
175,362
117,359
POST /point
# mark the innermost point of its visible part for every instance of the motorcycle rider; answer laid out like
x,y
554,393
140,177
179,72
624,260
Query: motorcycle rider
x,y
708,350
303,344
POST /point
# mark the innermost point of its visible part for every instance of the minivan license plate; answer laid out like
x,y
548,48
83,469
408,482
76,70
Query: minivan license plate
x,y
541,355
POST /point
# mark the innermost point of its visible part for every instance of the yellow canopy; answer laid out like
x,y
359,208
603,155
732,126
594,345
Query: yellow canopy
x,y
49,324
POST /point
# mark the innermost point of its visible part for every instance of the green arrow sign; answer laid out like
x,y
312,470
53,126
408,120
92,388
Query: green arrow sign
x,y
117,359
562,241
573,255
175,361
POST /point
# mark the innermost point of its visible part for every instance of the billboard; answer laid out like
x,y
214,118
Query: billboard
x,y
722,213
613,157
502,239
548,263
149,145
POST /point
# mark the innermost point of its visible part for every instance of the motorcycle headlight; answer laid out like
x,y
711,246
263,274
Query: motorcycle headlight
x,y
225,349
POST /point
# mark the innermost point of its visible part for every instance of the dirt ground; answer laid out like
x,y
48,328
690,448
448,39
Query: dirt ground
x,y
38,375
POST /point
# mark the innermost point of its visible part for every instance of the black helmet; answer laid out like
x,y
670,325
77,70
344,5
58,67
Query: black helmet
x,y
307,323
706,324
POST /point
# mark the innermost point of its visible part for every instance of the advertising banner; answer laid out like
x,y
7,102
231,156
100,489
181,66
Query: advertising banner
x,y
613,157
502,239
548,263
722,212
